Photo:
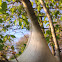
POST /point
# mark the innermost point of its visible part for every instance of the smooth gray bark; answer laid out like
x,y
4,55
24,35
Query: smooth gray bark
x,y
37,49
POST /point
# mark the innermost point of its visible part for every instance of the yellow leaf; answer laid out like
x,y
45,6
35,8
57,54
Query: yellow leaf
x,y
0,2
22,26
13,0
32,3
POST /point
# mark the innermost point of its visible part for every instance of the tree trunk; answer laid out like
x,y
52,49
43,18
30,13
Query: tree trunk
x,y
37,49
52,30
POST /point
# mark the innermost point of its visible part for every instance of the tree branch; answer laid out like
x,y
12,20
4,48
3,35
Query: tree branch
x,y
52,29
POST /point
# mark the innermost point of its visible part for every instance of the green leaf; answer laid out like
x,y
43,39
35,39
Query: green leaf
x,y
8,26
1,20
1,36
58,36
47,25
47,39
4,29
24,44
12,10
8,0
1,47
36,1
39,7
56,13
13,36
5,38
48,32
54,22
45,21
1,41
61,18
20,22
0,11
26,22
51,4
12,47
4,6
57,26
44,17
45,35
19,53
57,30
